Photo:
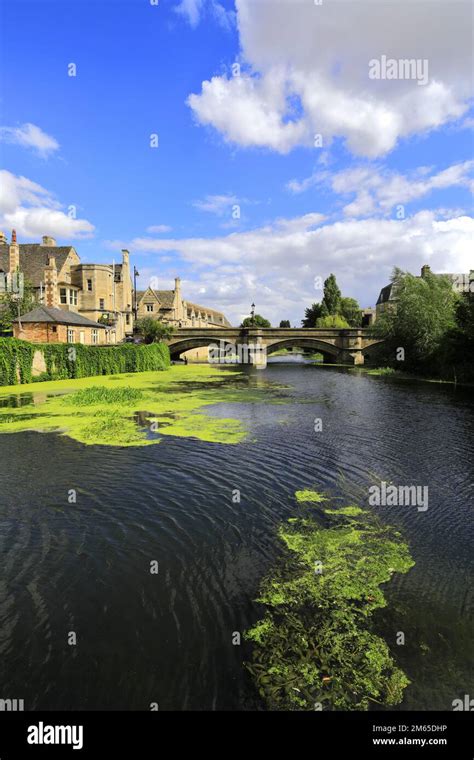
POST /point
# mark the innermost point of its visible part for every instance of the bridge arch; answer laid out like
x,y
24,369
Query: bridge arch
x,y
329,352
180,346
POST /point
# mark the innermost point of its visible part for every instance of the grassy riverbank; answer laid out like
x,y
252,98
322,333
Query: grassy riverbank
x,y
128,409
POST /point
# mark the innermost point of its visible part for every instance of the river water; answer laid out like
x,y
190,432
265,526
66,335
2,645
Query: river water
x,y
167,638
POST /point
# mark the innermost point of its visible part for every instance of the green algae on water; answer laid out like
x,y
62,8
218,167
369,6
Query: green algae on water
x,y
133,409
314,647
309,496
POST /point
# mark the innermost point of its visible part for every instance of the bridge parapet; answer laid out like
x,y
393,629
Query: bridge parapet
x,y
340,345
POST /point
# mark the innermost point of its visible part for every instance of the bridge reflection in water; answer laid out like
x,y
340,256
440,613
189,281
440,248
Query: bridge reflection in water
x,y
338,346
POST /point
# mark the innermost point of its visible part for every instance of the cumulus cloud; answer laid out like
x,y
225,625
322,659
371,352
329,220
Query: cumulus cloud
x,y
307,74
34,211
230,271
377,190
30,136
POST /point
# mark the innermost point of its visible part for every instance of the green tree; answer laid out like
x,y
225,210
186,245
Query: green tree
x,y
423,319
311,314
13,305
332,295
285,323
332,320
351,311
256,321
153,330
460,341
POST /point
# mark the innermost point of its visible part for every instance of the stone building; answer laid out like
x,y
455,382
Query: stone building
x,y
98,292
387,299
169,307
51,325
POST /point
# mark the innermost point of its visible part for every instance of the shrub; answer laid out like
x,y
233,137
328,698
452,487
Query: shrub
x,y
16,359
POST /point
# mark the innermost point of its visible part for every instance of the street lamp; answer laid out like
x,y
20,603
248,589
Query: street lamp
x,y
135,275
252,314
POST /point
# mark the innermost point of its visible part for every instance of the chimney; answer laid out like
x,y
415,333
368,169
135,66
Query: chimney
x,y
48,241
13,254
51,284
125,256
425,269
177,286
3,238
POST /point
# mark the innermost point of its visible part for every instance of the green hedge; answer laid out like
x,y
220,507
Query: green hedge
x,y
65,360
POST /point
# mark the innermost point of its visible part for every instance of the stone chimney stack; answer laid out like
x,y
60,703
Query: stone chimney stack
x,y
13,254
178,311
51,296
3,238
48,241
425,269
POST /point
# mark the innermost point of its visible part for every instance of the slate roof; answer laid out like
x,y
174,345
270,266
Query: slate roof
x,y
385,294
166,301
165,297
57,316
34,258
206,310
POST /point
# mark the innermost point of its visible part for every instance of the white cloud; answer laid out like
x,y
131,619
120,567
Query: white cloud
x,y
33,211
156,229
233,270
377,190
194,10
308,74
216,204
30,136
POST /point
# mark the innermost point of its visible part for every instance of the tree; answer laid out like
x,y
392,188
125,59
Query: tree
x,y
421,322
256,321
332,320
311,314
285,323
332,295
153,330
351,311
13,305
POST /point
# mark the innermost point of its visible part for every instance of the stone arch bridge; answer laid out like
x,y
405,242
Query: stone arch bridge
x,y
338,346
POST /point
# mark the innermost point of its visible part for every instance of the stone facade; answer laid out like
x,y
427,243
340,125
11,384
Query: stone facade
x,y
97,291
40,332
170,308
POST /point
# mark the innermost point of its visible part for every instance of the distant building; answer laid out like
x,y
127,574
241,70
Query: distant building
x,y
387,299
98,292
368,317
169,307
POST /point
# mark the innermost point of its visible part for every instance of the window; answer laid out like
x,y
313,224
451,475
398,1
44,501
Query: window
x,y
89,284
54,328
101,304
127,319
63,295
73,297
95,336
70,335
149,307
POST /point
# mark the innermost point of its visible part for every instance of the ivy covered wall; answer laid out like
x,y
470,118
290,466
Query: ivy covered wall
x,y
63,360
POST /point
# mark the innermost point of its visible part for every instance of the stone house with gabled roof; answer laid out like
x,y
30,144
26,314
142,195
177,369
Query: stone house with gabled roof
x,y
51,325
98,292
169,307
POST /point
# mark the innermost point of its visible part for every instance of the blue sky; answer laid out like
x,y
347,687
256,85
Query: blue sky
x,y
241,198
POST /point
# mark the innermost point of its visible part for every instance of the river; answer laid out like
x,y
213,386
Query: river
x,y
167,638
